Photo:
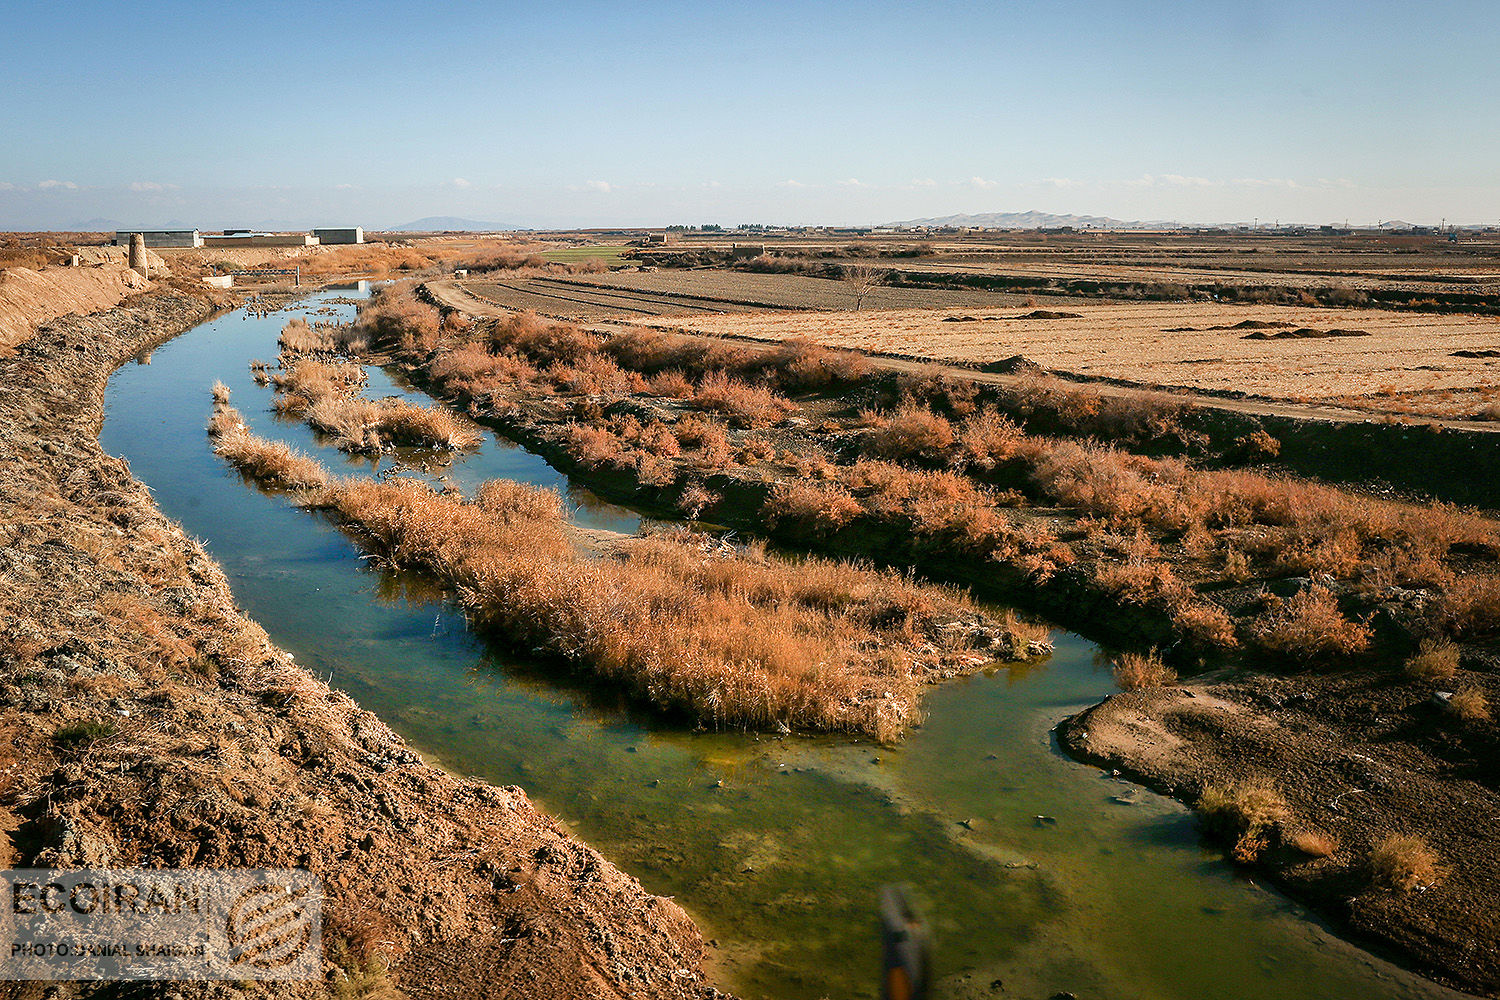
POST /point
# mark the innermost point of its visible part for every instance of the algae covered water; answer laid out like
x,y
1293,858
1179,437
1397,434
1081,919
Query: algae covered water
x,y
1037,874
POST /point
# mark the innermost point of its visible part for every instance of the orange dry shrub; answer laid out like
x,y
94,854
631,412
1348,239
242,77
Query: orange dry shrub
x,y
986,439
1134,671
671,384
801,365
473,371
595,445
1309,627
821,507
529,335
595,374
745,405
943,509
394,318
912,431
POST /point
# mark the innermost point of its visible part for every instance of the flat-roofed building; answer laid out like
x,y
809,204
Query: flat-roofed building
x,y
327,237
161,237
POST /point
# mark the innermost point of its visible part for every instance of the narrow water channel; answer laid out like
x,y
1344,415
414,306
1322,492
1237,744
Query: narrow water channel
x,y
1040,874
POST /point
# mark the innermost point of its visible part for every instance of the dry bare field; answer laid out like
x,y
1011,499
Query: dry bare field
x,y
1169,344
683,292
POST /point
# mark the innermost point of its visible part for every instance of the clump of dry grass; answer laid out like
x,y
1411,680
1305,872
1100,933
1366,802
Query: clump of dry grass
x,y
744,404
912,431
1404,862
268,462
729,636
396,319
1309,626
1314,843
821,507
298,338
1434,660
325,395
1470,705
1134,671
1244,814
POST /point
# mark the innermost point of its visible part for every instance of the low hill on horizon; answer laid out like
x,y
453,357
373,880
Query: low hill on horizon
x,y
1030,220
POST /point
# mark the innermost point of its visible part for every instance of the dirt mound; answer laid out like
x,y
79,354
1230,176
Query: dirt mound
x,y
89,256
1049,314
1475,354
1015,364
29,298
1303,333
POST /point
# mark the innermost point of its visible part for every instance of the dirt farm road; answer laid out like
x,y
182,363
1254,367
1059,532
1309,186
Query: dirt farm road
x,y
453,295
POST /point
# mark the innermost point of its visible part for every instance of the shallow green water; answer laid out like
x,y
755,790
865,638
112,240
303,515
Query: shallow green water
x,y
1111,896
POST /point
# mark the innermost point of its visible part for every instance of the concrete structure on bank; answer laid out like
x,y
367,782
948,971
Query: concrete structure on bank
x,y
330,237
160,237
261,240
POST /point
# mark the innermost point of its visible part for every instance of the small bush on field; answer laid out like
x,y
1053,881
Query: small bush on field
x,y
595,446
912,431
755,450
1435,660
987,439
472,370
1404,862
819,506
1309,627
1205,623
671,384
1256,447
745,405
1470,705
529,335
1470,607
394,318
801,365
1134,671
1244,815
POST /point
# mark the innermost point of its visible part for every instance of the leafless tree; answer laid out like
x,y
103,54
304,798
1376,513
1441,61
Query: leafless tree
x,y
862,279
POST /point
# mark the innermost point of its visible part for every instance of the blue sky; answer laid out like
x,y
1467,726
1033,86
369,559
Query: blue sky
x,y
653,113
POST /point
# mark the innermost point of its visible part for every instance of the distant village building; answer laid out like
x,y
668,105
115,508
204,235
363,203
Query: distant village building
x,y
161,237
327,237
746,251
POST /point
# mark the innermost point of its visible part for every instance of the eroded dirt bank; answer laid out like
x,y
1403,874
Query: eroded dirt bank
x,y
1357,760
147,722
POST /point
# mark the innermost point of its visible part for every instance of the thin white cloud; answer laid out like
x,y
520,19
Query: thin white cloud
x,y
852,182
789,183
460,183
151,186
603,187
982,184
1061,182
50,185
923,182
343,187
7,186
1178,180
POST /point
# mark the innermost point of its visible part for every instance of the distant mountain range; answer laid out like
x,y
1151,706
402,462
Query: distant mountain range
x,y
1030,220
450,224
